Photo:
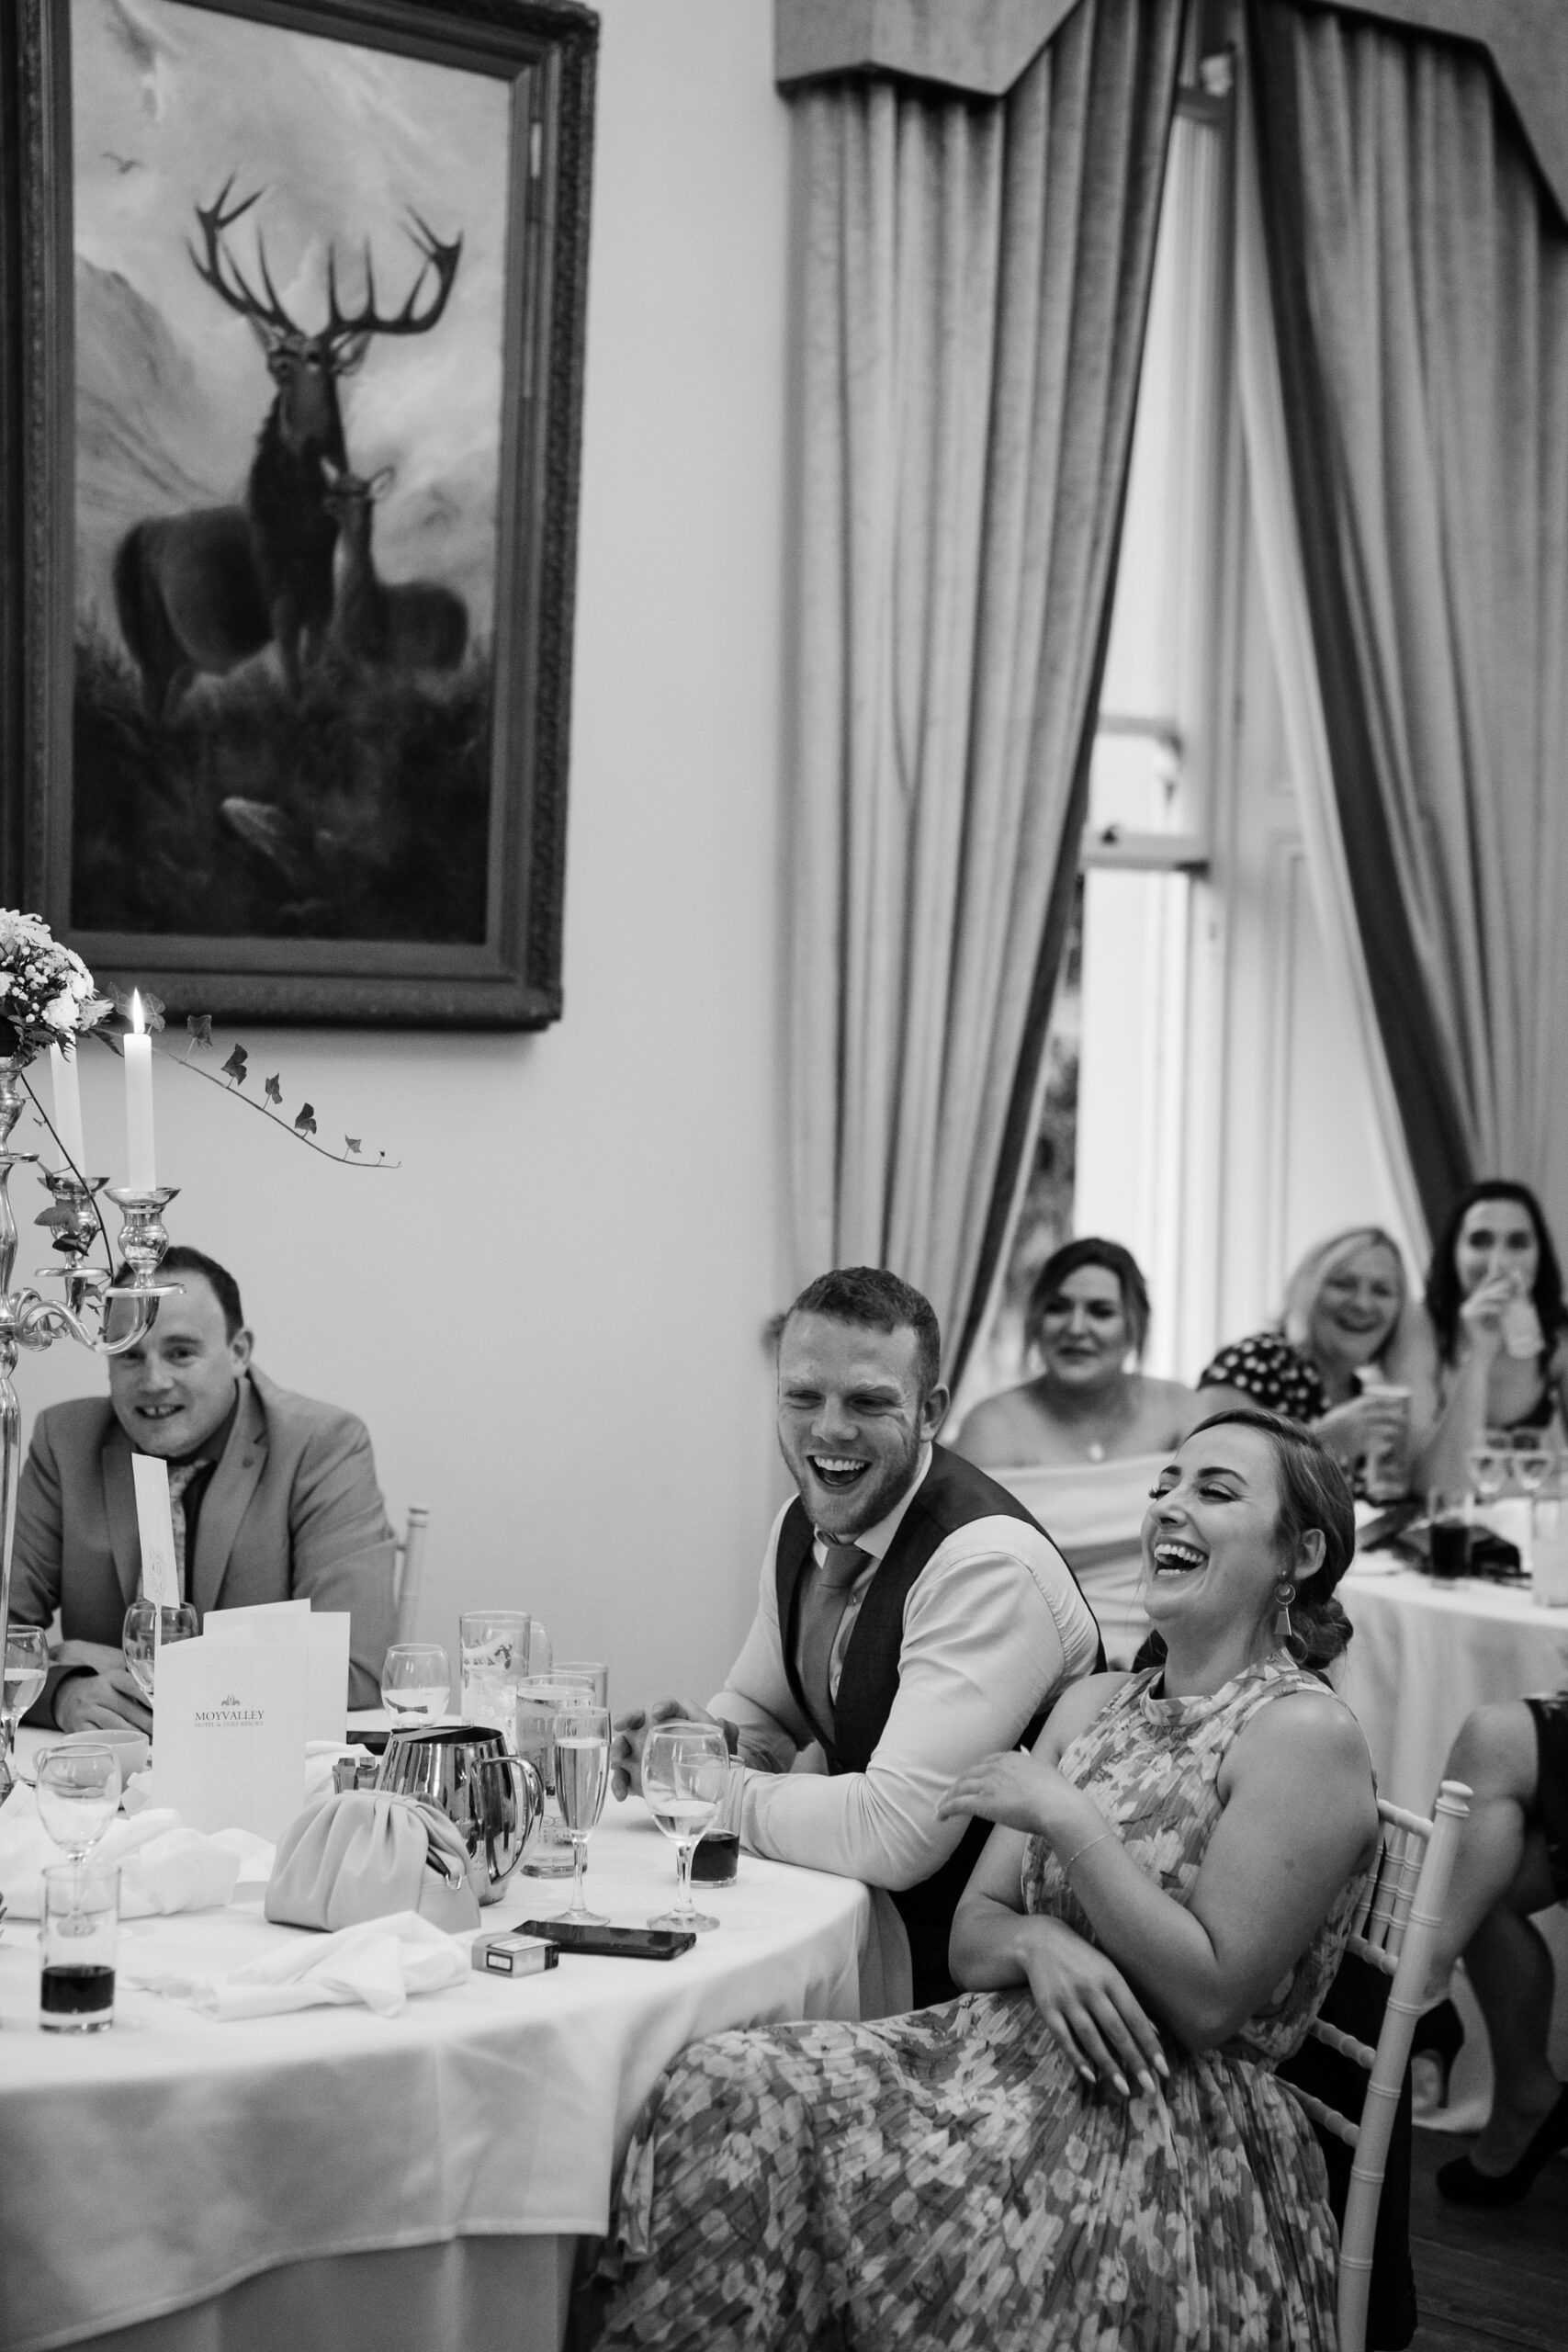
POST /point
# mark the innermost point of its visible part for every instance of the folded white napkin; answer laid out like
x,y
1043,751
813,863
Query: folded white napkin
x,y
163,1866
381,1962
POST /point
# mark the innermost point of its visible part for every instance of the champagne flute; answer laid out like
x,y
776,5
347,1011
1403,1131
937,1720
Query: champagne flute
x,y
142,1632
686,1770
27,1670
78,1796
583,1775
416,1682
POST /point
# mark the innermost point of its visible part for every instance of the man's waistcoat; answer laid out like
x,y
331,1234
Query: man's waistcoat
x,y
951,1494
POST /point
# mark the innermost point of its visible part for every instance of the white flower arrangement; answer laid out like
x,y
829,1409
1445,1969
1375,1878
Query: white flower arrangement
x,y
47,994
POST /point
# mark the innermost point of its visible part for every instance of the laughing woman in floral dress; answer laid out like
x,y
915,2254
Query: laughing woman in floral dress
x,y
1088,2149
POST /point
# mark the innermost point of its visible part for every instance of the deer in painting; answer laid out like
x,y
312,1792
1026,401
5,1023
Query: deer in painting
x,y
398,625
203,591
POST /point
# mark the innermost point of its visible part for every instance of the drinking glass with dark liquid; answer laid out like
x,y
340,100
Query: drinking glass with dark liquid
x,y
716,1861
78,1933
1448,1534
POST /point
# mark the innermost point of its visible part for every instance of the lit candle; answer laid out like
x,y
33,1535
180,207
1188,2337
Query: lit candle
x,y
68,1107
143,1173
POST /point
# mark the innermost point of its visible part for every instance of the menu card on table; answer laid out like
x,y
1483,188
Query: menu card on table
x,y
229,1721
322,1638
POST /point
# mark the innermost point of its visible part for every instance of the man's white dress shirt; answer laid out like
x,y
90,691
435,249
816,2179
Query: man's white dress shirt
x,y
994,1626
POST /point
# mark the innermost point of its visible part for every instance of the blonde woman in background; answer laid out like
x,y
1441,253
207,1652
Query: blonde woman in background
x,y
1343,1326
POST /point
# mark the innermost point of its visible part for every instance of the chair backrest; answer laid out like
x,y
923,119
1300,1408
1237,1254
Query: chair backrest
x,y
1394,1930
408,1568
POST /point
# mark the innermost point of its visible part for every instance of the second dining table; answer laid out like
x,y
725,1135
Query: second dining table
x,y
329,2175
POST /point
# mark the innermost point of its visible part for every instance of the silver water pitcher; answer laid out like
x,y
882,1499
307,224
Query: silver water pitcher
x,y
491,1797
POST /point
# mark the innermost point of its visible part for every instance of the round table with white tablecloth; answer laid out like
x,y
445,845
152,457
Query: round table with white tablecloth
x,y
331,2176
1427,1653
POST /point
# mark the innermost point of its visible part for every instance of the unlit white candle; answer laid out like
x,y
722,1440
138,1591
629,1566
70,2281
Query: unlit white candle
x,y
68,1107
143,1173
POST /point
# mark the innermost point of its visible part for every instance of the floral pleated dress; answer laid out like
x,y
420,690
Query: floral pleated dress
x,y
948,2180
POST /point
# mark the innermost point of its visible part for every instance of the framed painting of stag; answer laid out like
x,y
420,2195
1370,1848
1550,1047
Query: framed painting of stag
x,y
293,298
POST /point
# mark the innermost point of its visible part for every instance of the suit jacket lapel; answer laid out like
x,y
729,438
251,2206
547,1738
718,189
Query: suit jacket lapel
x,y
226,1499
120,1511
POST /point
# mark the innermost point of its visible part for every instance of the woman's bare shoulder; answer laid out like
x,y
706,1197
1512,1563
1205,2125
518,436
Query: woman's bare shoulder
x,y
1168,1407
1312,1731
1002,1432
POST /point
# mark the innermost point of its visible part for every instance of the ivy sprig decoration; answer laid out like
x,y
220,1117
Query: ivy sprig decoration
x,y
231,1078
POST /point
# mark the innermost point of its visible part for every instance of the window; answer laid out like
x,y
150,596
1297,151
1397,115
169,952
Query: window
x,y
1113,1149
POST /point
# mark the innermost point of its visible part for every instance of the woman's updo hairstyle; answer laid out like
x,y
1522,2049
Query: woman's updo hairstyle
x,y
1088,1251
1314,1492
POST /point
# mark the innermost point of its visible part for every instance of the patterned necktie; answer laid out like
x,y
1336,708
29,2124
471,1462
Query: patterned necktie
x,y
180,1476
822,1607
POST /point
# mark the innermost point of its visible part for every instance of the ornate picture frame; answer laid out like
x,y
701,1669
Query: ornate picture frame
x,y
293,298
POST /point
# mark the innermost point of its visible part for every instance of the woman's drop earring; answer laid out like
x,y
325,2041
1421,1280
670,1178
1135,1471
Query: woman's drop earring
x,y
1284,1594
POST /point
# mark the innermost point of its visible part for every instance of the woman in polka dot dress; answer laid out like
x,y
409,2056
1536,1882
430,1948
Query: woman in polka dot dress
x,y
1344,1306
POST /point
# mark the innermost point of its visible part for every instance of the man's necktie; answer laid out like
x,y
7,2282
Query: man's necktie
x,y
180,1476
822,1607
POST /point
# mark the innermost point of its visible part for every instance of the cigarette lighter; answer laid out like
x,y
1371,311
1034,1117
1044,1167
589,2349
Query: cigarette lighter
x,y
510,1954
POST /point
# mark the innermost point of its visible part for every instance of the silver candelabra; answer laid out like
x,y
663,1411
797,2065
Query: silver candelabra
x,y
27,1319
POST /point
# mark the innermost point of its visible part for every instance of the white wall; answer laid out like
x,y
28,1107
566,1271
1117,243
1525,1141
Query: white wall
x,y
550,1315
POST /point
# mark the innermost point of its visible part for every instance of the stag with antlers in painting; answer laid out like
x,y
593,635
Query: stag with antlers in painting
x,y
203,591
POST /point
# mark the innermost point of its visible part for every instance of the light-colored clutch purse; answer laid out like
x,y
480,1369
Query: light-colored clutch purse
x,y
365,1853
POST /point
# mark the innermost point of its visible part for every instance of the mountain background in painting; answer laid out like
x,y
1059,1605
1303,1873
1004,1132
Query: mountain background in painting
x,y
168,102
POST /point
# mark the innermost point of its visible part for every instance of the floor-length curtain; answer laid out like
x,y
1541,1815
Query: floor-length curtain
x,y
1271,505
1419,272
974,288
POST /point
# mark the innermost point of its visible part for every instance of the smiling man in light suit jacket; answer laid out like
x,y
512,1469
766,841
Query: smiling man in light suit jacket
x,y
274,1498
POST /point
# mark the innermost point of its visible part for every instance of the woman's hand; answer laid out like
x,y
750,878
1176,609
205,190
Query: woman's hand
x,y
1090,2010
1362,1426
1015,1791
1481,1315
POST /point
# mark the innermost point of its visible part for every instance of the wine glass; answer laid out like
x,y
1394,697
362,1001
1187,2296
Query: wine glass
x,y
1532,1466
1488,1470
685,1769
78,1796
416,1682
582,1774
27,1670
142,1632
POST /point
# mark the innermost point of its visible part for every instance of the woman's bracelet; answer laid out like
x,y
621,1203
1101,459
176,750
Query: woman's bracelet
x,y
1083,1849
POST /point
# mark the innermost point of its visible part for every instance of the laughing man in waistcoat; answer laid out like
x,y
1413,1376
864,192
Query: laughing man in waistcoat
x,y
912,1617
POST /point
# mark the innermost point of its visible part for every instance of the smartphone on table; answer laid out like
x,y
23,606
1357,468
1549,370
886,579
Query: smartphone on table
x,y
613,1943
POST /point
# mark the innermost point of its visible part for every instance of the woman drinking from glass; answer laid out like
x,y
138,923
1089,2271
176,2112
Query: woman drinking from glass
x,y
1090,2145
1325,1363
1490,1354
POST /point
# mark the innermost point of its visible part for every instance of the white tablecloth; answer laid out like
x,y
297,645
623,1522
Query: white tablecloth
x,y
1427,1653
156,2167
